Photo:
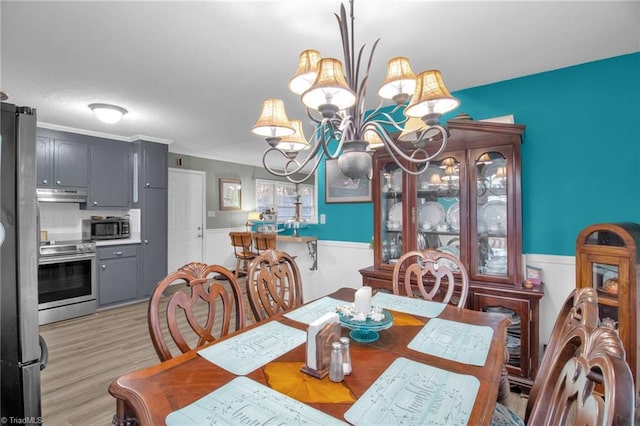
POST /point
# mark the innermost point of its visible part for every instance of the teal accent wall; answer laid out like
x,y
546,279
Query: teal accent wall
x,y
580,157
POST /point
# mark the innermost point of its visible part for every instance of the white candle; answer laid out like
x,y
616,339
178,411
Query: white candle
x,y
362,300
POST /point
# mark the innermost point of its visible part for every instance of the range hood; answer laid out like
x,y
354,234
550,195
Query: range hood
x,y
61,195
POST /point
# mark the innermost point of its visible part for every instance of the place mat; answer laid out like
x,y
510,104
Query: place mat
x,y
457,341
287,378
312,311
412,393
254,348
409,305
244,401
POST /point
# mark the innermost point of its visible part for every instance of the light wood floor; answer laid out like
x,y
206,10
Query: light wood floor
x,y
87,353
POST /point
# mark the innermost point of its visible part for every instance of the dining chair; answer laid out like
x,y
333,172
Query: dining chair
x,y
429,274
273,284
572,365
592,385
580,307
196,313
263,241
242,249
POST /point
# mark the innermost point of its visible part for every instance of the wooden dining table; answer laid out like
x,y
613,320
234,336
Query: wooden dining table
x,y
147,396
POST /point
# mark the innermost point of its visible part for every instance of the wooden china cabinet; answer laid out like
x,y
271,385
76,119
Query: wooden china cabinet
x,y
467,203
607,259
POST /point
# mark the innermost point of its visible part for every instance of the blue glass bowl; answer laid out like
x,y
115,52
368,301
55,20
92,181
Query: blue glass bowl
x,y
366,331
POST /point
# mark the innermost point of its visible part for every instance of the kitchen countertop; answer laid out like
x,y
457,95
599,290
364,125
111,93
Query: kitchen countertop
x,y
134,239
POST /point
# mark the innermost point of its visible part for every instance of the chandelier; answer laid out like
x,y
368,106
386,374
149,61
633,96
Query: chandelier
x,y
335,102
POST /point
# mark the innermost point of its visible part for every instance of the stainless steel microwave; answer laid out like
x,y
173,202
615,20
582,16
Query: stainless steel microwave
x,y
105,229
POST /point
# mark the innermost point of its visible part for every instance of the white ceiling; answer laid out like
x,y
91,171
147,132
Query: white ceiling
x,y
195,73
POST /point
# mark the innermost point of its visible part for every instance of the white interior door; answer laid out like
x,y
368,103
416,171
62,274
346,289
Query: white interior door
x,y
186,217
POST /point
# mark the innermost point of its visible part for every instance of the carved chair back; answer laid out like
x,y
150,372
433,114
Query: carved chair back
x,y
589,381
194,315
273,284
430,274
580,307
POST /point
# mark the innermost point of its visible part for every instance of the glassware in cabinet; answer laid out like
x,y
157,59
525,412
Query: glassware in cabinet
x,y
497,252
438,206
391,213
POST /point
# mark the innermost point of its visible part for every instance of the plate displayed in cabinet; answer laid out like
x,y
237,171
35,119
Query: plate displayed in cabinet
x,y
453,216
422,242
432,213
395,213
493,215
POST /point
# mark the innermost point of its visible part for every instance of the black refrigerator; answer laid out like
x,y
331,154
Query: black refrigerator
x,y
21,349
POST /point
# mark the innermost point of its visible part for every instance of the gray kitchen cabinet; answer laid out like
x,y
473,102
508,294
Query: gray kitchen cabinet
x,y
61,163
117,274
152,183
155,170
154,229
111,175
44,161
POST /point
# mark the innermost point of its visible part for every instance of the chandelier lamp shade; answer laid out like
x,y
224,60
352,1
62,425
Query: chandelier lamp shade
x,y
334,93
107,113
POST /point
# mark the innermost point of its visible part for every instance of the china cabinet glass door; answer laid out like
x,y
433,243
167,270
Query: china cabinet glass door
x,y
492,180
392,214
438,205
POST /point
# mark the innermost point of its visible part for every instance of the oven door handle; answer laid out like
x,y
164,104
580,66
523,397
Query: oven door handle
x,y
48,260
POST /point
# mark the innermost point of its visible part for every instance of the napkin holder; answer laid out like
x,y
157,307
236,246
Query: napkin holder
x,y
328,334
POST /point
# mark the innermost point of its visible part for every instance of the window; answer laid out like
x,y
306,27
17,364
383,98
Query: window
x,y
282,197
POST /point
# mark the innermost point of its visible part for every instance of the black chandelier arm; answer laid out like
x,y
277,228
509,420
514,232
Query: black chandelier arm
x,y
325,133
382,118
312,118
289,174
378,112
300,165
396,152
328,132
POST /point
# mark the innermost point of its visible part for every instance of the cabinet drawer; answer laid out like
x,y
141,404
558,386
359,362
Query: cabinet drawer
x,y
115,252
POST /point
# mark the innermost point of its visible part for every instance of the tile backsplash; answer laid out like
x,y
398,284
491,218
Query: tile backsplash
x,y
64,220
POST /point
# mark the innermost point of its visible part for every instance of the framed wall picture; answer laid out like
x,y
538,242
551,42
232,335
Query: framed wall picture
x,y
230,194
342,189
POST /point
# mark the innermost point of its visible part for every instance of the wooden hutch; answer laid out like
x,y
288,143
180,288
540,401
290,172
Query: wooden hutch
x,y
607,259
468,203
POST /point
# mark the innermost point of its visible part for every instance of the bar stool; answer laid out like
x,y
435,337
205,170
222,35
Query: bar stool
x,y
264,241
241,242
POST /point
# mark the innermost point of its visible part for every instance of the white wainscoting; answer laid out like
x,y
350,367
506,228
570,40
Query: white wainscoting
x,y
339,262
559,277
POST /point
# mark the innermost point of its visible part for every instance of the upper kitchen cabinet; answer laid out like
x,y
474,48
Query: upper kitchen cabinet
x,y
111,175
155,169
60,162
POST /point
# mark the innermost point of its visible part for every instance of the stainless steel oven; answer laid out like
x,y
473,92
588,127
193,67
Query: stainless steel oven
x,y
66,280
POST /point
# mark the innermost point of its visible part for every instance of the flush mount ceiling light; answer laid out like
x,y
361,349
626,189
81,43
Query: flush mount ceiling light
x,y
335,101
106,113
